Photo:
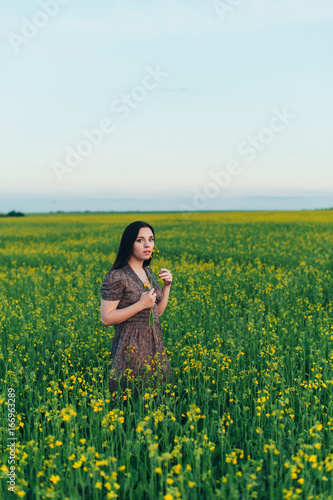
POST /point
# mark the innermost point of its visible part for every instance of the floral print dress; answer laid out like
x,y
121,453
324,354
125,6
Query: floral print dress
x,y
137,356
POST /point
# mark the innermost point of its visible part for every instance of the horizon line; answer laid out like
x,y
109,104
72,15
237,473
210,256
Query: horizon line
x,y
163,211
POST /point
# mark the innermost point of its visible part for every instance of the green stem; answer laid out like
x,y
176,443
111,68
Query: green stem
x,y
151,313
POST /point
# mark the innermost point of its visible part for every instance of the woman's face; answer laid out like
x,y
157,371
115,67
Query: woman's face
x,y
144,244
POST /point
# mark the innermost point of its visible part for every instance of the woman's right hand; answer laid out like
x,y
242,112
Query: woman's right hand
x,y
147,299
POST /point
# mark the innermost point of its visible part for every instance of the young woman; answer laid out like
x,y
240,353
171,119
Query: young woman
x,y
137,351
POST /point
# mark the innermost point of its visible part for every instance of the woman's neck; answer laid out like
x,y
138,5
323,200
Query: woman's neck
x,y
136,264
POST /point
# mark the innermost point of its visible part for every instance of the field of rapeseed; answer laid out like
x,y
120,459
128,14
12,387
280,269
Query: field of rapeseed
x,y
249,334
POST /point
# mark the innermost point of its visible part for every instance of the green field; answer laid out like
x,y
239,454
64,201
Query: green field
x,y
248,331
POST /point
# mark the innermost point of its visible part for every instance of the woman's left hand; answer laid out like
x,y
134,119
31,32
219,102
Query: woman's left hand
x,y
166,276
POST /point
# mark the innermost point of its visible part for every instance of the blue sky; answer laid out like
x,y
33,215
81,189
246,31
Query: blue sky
x,y
226,73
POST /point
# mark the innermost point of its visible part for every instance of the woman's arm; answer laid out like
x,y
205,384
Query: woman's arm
x,y
166,276
110,315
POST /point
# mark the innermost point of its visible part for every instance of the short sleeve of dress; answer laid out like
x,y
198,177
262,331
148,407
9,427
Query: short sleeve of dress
x,y
113,285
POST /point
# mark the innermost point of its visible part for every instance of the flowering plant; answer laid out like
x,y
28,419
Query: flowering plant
x,y
155,252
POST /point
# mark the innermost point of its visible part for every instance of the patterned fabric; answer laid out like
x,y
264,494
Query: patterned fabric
x,y
137,357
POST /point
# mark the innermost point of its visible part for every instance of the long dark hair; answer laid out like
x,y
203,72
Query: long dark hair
x,y
126,244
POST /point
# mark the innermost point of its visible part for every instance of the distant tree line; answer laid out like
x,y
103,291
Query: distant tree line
x,y
13,213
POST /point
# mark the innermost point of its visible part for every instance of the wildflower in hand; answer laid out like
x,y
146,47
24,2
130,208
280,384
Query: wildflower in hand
x,y
151,312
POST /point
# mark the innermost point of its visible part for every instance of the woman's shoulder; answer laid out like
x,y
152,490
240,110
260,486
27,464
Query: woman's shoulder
x,y
113,285
114,274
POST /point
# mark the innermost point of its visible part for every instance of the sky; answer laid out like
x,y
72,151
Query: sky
x,y
165,105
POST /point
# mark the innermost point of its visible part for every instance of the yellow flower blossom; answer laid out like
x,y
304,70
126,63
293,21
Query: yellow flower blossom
x,y
54,479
